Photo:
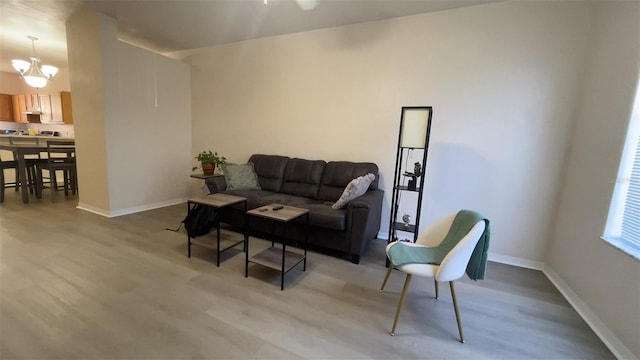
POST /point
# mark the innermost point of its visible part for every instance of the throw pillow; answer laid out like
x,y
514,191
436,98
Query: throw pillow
x,y
240,176
355,188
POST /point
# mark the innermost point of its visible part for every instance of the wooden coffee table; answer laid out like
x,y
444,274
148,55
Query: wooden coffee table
x,y
218,201
274,258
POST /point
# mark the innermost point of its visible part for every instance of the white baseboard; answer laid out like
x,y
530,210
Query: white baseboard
x,y
602,331
93,209
136,209
515,261
130,210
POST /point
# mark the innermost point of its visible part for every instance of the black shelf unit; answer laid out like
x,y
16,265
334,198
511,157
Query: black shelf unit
x,y
410,119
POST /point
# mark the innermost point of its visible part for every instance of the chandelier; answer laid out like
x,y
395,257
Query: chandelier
x,y
34,74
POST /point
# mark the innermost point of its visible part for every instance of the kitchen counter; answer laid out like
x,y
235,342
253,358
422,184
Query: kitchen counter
x,y
39,137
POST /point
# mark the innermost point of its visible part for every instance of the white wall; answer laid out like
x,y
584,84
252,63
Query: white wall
x,y
10,83
132,116
502,80
603,277
149,129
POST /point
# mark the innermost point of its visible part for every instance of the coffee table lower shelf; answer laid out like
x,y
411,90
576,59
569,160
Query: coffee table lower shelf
x,y
225,244
272,258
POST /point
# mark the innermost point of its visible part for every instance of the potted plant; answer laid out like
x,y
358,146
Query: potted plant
x,y
209,160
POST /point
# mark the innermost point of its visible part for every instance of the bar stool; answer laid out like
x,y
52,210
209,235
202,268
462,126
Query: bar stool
x,y
8,165
30,162
61,156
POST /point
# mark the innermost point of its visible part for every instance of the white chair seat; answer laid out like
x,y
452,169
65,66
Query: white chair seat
x,y
424,270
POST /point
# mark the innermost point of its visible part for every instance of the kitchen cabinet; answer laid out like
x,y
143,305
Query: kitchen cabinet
x,y
17,116
19,107
54,108
23,103
45,109
31,102
6,107
65,102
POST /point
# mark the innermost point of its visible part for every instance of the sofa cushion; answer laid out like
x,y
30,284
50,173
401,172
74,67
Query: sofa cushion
x,y
302,177
322,215
354,189
338,174
255,198
240,176
320,212
270,170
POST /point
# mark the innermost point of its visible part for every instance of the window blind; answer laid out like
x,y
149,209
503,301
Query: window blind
x,y
631,214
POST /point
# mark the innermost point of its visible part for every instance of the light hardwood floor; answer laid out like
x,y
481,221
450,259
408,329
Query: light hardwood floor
x,y
75,285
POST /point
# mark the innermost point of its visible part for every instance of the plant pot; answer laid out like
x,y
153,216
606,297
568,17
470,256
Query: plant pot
x,y
208,168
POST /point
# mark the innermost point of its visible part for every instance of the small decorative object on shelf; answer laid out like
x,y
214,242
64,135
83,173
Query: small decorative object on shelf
x,y
417,171
208,161
406,218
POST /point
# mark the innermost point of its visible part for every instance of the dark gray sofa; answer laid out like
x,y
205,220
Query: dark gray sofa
x,y
313,185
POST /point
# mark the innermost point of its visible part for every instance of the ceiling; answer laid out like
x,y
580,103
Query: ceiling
x,y
166,26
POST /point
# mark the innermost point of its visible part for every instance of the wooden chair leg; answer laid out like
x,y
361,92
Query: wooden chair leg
x,y
455,308
74,181
17,187
54,184
31,179
435,282
65,177
402,296
2,185
386,277
39,182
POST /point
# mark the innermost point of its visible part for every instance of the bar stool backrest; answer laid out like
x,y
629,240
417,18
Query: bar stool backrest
x,y
61,151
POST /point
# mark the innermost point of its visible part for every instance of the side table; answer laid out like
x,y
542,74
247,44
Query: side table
x,y
274,258
208,179
219,202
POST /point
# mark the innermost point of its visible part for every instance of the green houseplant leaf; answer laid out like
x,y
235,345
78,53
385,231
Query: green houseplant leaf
x,y
209,157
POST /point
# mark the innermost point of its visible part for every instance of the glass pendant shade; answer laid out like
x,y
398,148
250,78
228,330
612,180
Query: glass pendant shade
x,y
36,81
21,66
49,71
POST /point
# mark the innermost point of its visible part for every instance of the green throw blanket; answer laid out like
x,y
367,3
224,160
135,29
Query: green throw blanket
x,y
465,220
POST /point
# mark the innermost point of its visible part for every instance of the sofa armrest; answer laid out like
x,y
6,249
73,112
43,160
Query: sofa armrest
x,y
216,184
364,216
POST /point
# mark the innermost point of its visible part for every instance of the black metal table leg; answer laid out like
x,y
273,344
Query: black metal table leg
x,y
284,246
218,244
246,253
306,241
273,233
246,226
188,237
